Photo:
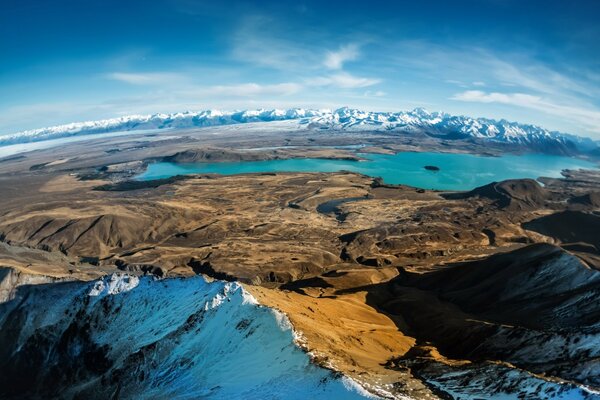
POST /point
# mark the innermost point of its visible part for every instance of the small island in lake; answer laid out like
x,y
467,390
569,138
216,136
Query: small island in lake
x,y
432,168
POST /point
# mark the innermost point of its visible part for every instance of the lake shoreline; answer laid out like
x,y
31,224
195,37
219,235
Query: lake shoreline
x,y
454,171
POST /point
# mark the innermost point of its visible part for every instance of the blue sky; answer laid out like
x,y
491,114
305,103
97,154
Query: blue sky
x,y
529,61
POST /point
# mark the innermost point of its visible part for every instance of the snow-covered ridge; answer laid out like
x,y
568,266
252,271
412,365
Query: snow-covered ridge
x,y
344,119
186,119
162,338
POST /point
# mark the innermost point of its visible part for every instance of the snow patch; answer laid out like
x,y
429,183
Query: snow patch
x,y
353,386
282,320
114,284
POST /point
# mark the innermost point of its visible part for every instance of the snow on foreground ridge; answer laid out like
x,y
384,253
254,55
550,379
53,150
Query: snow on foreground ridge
x,y
437,123
148,338
115,284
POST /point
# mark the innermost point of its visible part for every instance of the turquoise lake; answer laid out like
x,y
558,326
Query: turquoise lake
x,y
457,171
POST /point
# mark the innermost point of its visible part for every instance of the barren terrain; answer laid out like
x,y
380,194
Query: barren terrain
x,y
391,285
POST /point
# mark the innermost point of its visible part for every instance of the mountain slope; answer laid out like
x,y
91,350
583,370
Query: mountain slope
x,y
527,321
131,338
437,124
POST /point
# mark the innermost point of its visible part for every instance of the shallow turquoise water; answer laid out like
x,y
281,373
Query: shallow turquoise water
x,y
457,171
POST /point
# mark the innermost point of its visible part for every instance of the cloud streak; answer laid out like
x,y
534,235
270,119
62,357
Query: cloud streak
x,y
342,80
584,117
255,42
148,78
254,89
336,59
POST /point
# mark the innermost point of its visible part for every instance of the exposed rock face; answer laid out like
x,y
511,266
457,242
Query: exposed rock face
x,y
11,279
127,337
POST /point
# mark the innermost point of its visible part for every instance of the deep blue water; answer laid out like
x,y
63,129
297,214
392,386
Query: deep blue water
x,y
457,171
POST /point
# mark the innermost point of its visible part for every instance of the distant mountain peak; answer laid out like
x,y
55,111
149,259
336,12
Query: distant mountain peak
x,y
436,124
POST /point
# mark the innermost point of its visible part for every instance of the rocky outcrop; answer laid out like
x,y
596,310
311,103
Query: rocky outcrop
x,y
11,279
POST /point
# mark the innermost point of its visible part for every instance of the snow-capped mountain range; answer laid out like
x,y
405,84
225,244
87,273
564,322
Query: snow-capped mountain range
x,y
436,124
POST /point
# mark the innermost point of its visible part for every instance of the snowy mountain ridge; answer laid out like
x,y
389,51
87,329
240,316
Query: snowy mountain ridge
x,y
131,335
438,124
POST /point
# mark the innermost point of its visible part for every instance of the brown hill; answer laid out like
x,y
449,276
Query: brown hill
x,y
213,155
514,194
569,227
591,200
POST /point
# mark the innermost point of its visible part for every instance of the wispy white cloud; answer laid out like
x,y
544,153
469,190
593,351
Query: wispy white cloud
x,y
463,64
535,76
146,78
464,84
260,41
376,93
495,97
268,63
336,59
456,82
342,80
255,42
253,89
529,87
588,118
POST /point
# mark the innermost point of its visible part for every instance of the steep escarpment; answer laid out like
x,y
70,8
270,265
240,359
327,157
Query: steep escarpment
x,y
532,287
128,337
